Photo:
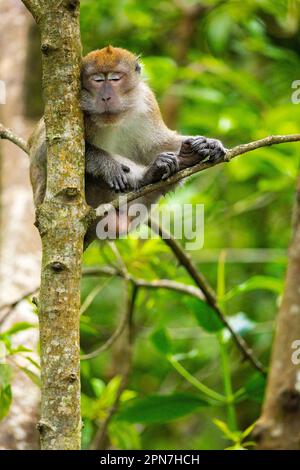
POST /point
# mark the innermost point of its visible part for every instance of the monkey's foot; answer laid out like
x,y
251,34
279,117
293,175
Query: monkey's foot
x,y
207,149
117,180
166,164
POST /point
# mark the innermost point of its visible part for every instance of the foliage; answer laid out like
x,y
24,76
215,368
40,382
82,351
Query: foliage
x,y
14,356
229,77
227,74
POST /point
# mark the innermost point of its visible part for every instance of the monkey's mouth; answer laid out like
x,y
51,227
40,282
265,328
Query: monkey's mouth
x,y
110,113
110,117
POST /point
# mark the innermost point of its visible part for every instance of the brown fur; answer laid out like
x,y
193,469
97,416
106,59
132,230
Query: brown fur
x,y
128,144
110,58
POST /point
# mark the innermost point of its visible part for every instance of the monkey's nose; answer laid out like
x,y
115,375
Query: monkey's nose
x,y
106,98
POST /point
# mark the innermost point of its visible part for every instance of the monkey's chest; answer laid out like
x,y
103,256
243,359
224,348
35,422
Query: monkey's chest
x,y
126,142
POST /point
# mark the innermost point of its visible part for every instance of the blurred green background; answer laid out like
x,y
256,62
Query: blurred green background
x,y
223,69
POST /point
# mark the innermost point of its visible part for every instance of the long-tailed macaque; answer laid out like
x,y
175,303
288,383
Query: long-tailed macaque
x,y
128,144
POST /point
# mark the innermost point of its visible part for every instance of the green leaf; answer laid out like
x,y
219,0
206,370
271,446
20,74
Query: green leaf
x,y
162,341
5,374
32,375
159,408
20,349
256,282
109,394
87,433
5,400
5,389
18,327
88,407
228,434
218,31
248,431
205,315
33,362
98,386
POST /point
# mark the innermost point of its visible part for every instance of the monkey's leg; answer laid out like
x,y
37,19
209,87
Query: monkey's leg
x,y
110,227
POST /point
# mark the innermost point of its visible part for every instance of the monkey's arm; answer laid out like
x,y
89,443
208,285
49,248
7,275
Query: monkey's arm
x,y
192,151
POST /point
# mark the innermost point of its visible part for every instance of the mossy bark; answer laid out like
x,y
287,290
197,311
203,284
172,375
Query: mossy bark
x,y
279,425
61,221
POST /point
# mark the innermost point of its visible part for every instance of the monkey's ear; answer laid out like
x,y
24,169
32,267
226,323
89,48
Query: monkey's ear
x,y
138,66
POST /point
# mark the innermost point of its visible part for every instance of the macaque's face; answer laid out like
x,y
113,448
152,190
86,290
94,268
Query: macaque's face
x,y
109,79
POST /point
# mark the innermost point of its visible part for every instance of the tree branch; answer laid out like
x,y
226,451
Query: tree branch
x,y
232,153
9,135
8,308
155,284
35,8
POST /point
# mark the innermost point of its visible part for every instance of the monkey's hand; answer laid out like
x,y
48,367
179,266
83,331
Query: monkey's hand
x,y
117,177
100,164
207,149
165,165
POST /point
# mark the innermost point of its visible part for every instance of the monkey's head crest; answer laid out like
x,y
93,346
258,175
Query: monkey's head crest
x,y
109,49
109,58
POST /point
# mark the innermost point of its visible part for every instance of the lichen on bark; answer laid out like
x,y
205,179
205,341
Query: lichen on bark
x,y
278,427
61,221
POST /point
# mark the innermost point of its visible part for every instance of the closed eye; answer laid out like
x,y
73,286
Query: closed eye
x,y
98,78
114,76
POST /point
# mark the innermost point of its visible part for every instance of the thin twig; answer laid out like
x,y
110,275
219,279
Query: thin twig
x,y
120,260
207,290
155,284
10,307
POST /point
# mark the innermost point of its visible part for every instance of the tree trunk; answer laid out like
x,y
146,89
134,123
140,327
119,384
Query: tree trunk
x,y
279,424
19,244
61,220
